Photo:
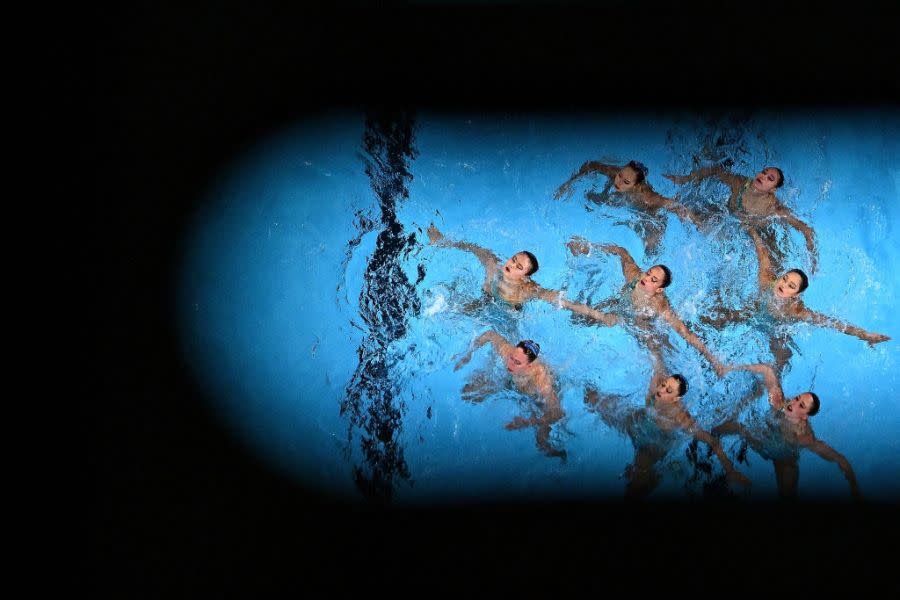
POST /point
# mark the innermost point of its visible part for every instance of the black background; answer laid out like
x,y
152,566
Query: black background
x,y
177,506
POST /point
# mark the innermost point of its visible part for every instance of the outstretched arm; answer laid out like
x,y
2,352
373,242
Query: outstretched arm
x,y
681,211
608,319
770,379
691,338
588,167
730,179
808,234
487,258
579,245
830,454
659,375
556,297
766,275
500,345
811,316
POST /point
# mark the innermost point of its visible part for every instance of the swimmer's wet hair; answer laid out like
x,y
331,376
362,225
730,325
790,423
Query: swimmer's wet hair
x,y
533,259
780,176
815,405
804,280
640,169
667,275
682,384
530,348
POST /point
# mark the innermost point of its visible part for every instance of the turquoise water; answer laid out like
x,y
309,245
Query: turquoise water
x,y
325,328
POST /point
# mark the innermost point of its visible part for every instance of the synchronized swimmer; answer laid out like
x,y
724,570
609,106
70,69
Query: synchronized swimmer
x,y
641,303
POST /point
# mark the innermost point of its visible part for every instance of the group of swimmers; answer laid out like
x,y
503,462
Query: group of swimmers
x,y
642,303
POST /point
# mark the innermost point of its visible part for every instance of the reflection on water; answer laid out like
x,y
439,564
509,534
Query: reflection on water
x,y
386,301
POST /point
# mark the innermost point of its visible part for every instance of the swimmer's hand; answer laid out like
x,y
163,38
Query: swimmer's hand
x,y
519,423
679,179
578,245
463,361
554,453
875,338
434,236
562,191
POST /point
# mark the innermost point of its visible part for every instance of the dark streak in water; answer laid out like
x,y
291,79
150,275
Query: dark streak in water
x,y
387,299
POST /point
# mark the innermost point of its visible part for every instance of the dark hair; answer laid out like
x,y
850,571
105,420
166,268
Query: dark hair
x,y
530,348
815,405
639,169
682,384
533,259
780,176
804,280
667,275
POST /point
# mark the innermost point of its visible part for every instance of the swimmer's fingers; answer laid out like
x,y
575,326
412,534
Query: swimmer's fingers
x,y
463,360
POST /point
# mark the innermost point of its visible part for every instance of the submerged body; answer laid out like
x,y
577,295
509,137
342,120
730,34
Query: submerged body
x,y
784,432
654,428
528,375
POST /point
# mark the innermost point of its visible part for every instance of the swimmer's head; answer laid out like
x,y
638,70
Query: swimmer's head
x,y
671,388
791,284
656,278
768,180
802,406
520,265
632,174
522,356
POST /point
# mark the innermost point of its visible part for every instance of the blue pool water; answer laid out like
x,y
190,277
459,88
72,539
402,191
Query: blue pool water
x,y
325,328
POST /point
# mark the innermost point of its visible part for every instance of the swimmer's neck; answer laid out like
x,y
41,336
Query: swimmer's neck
x,y
515,282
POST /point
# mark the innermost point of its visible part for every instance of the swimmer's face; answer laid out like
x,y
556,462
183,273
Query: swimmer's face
x,y
788,285
625,179
667,391
652,280
516,267
766,181
517,361
798,407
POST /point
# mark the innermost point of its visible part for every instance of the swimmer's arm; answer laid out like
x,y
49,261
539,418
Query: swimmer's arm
x,y
629,268
830,454
552,410
555,297
500,345
816,318
608,319
551,296
770,380
487,258
766,275
681,211
730,179
659,373
588,167
808,234
691,338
